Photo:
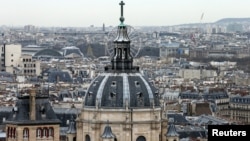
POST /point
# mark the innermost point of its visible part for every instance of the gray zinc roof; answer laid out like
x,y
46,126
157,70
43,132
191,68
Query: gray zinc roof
x,y
172,131
121,89
44,112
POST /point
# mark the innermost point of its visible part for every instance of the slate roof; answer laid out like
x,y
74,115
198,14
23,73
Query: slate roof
x,y
4,113
56,76
172,131
215,95
177,118
189,95
117,89
208,96
65,114
5,76
240,99
65,94
209,120
44,112
191,132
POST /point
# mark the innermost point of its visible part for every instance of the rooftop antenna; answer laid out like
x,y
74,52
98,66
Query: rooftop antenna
x,y
202,15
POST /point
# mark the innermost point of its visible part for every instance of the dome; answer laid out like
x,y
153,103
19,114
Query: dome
x,y
121,90
121,85
122,96
49,52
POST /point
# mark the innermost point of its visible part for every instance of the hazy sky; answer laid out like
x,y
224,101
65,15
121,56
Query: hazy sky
x,y
82,13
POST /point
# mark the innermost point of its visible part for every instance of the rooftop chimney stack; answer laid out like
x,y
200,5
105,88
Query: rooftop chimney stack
x,y
33,104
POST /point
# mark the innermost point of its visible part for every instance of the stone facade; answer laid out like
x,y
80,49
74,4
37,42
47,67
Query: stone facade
x,y
17,132
32,119
126,124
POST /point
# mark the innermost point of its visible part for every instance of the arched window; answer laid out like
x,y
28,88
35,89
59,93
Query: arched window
x,y
141,138
11,132
38,132
45,132
8,132
14,132
51,132
87,138
25,133
74,139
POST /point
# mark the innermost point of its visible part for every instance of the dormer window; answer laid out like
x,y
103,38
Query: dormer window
x,y
90,93
140,99
112,95
15,109
139,95
94,84
156,93
42,109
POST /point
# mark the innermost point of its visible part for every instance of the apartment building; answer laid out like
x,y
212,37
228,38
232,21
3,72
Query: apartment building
x,y
10,57
13,61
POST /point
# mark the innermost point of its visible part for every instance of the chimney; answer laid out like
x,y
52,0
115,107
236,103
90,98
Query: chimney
x,y
33,104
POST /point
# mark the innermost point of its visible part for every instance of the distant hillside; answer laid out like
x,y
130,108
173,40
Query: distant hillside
x,y
233,20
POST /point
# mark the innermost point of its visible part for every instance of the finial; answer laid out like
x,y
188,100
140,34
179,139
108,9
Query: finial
x,y
122,18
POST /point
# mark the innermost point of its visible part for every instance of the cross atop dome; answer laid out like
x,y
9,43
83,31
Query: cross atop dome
x,y
122,60
122,18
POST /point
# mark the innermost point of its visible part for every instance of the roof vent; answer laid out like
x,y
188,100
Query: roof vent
x,y
137,84
113,84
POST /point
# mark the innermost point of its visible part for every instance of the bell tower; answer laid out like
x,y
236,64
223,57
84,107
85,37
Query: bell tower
x,y
122,60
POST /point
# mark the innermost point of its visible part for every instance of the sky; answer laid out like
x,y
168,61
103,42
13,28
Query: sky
x,y
83,13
